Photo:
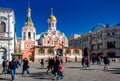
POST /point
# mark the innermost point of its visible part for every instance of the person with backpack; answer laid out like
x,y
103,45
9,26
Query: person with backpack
x,y
12,67
60,71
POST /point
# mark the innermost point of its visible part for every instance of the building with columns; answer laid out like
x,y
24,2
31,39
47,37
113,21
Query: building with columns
x,y
7,33
102,40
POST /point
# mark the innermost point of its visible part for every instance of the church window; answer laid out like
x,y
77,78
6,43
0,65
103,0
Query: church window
x,y
52,24
50,50
24,34
34,35
49,24
2,27
48,42
67,51
62,42
29,35
41,50
27,46
76,51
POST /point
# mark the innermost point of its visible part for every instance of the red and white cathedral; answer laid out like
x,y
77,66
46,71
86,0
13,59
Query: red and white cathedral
x,y
47,44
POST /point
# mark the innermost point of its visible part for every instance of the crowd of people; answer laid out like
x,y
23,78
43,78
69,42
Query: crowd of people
x,y
9,67
54,67
86,60
55,64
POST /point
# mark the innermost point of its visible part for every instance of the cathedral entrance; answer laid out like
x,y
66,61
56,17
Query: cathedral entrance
x,y
59,52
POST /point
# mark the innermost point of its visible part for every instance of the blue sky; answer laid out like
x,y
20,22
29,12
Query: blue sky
x,y
73,16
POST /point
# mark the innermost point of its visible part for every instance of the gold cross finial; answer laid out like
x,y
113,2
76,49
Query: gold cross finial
x,y
51,11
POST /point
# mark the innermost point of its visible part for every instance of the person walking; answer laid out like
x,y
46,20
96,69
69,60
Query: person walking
x,y
106,62
12,67
4,66
42,63
25,66
60,71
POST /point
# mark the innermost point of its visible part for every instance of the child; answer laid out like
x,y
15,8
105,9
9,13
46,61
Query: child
x,y
60,71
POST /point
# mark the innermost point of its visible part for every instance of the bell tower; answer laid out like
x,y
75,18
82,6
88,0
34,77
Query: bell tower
x,y
28,35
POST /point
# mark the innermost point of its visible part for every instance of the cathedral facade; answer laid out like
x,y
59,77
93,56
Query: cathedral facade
x,y
48,44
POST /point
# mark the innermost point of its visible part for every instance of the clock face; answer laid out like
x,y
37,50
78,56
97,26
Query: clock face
x,y
56,39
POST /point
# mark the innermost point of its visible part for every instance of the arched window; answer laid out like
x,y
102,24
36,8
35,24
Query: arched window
x,y
29,35
52,24
24,35
76,51
49,24
34,35
50,50
111,44
67,51
2,27
41,50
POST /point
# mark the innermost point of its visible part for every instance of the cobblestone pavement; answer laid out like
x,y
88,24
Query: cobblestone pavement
x,y
72,72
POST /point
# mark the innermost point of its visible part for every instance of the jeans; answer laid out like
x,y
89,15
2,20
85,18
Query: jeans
x,y
60,75
13,74
26,69
4,70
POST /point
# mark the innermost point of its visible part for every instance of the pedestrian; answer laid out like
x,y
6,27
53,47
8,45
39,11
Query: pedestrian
x,y
55,67
12,67
106,62
42,63
60,71
50,65
25,66
4,67
66,59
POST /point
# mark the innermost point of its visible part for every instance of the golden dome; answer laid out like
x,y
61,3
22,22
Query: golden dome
x,y
52,17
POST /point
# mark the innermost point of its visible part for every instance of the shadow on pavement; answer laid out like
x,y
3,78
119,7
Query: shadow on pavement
x,y
41,68
74,67
87,69
6,79
39,75
114,70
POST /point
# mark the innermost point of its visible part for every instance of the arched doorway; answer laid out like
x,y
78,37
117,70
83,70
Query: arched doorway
x,y
111,54
85,52
3,54
59,52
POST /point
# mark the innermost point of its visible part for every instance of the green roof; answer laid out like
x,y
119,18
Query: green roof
x,y
29,19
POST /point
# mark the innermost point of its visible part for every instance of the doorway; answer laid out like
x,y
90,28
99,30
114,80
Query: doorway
x,y
59,52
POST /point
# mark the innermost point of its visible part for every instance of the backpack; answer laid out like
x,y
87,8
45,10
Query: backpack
x,y
60,68
11,65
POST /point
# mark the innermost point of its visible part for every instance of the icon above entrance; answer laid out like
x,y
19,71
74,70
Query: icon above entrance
x,y
59,52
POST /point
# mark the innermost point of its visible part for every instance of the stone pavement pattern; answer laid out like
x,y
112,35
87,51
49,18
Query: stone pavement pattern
x,y
73,72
